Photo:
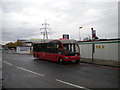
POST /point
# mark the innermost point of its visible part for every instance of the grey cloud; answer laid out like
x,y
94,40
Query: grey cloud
x,y
15,33
71,17
8,7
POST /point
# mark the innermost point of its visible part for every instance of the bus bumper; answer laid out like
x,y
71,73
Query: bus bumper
x,y
71,58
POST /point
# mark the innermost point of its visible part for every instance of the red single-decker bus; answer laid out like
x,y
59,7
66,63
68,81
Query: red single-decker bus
x,y
61,50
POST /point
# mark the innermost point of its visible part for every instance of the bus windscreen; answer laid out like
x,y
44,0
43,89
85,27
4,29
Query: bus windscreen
x,y
71,49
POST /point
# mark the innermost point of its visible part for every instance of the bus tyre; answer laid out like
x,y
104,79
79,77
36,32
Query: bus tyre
x,y
61,61
77,61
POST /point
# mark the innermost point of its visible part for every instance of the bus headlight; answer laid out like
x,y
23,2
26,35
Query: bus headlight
x,y
76,55
66,58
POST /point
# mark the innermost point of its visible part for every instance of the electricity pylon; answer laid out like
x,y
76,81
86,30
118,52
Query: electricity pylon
x,y
45,32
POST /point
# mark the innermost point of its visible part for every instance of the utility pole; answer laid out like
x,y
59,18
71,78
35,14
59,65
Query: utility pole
x,y
45,32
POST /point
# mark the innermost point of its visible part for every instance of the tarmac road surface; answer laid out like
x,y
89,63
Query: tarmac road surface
x,y
23,71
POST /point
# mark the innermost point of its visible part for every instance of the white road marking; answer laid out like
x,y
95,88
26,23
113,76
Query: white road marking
x,y
7,63
30,71
72,84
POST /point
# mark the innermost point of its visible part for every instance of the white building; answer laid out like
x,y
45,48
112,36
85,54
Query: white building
x,y
105,51
27,47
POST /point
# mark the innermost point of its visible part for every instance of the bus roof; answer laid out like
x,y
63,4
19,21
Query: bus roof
x,y
64,41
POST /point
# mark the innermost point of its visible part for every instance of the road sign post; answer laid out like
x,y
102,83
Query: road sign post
x,y
93,34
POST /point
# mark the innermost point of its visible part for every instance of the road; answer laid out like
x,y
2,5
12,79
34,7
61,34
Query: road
x,y
23,71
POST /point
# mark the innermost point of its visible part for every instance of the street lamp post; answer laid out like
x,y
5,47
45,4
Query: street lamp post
x,y
79,33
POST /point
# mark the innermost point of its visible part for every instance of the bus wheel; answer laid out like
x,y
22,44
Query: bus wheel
x,y
61,61
77,61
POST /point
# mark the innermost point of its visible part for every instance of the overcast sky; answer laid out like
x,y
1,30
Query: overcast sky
x,y
23,19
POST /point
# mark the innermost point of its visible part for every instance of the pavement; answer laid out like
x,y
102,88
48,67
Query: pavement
x,y
110,63
23,71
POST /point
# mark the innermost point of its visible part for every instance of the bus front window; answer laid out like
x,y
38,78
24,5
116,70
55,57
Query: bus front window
x,y
71,49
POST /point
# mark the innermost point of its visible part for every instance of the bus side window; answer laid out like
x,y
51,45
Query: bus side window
x,y
60,51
